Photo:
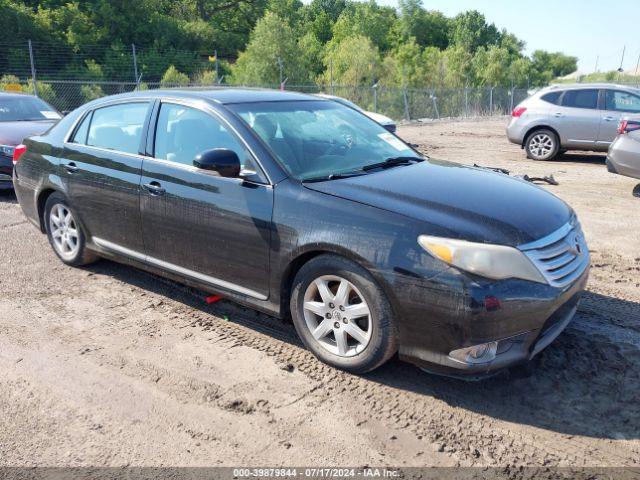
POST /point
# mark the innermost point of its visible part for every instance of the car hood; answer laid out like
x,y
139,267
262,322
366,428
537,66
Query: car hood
x,y
12,133
379,118
458,201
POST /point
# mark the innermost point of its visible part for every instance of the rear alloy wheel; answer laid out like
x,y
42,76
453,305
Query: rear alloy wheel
x,y
542,145
64,232
342,315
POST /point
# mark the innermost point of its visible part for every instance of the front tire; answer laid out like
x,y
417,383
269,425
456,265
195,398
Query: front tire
x,y
65,233
542,145
342,315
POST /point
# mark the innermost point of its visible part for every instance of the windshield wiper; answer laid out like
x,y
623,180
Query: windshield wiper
x,y
333,176
392,161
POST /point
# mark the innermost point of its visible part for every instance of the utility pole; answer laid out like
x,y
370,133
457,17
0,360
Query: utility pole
x,y
622,59
597,61
135,66
33,70
636,73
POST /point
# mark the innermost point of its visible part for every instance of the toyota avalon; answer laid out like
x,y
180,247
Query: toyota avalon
x,y
302,207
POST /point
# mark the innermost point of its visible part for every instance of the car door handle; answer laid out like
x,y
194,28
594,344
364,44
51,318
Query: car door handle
x,y
71,167
154,188
557,114
608,118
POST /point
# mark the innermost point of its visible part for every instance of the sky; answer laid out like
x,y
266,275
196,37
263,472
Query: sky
x,y
586,29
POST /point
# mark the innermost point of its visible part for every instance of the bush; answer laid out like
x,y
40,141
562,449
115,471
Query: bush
x,y
173,78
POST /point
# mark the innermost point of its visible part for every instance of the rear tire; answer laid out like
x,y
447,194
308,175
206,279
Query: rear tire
x,y
341,314
542,145
65,233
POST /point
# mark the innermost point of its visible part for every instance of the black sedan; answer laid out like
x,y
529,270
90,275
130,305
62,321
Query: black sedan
x,y
299,206
20,116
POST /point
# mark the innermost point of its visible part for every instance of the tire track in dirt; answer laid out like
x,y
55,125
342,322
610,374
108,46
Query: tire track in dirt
x,y
471,437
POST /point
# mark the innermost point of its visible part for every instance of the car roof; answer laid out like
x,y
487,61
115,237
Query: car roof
x,y
15,95
219,95
568,86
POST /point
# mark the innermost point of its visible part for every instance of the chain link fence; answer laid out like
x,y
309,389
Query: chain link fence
x,y
45,70
398,103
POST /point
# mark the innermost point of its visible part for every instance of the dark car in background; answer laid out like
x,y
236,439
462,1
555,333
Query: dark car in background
x,y
20,116
300,206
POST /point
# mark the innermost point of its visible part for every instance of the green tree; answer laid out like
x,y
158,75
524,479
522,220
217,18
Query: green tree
x,y
429,28
471,31
356,61
546,65
367,19
272,43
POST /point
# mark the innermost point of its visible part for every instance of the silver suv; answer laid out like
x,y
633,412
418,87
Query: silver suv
x,y
571,117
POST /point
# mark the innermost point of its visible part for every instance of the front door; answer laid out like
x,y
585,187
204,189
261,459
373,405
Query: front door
x,y
101,166
618,104
196,223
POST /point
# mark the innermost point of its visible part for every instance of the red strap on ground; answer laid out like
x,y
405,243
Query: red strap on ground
x,y
213,299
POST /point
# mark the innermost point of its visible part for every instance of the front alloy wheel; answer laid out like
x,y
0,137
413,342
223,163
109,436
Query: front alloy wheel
x,y
337,315
342,315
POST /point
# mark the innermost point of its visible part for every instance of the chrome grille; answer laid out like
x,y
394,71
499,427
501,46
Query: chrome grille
x,y
561,257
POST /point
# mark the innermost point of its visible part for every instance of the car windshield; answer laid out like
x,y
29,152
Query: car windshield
x,y
25,108
315,139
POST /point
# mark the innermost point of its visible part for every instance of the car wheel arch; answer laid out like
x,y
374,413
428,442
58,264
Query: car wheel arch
x,y
300,258
41,201
532,130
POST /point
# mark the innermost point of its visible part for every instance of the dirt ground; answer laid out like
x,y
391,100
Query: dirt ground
x,y
111,366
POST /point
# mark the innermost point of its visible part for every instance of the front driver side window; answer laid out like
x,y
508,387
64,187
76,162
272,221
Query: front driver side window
x,y
183,132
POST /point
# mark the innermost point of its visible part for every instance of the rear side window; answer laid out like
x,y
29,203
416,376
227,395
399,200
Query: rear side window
x,y
620,101
552,97
118,127
587,98
81,132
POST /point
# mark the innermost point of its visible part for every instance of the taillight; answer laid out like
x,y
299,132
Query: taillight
x,y
622,128
518,111
18,152
626,126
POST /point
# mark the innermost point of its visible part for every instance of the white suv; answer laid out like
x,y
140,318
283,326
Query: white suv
x,y
571,117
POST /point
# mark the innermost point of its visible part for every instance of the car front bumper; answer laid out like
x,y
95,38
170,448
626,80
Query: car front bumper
x,y
522,317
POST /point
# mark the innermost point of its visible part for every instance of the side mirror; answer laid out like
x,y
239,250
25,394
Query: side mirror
x,y
221,160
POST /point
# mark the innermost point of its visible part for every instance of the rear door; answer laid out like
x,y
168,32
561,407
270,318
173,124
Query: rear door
x,y
101,166
618,104
578,118
196,223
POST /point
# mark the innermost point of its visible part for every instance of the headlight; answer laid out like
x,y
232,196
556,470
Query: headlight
x,y
492,261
